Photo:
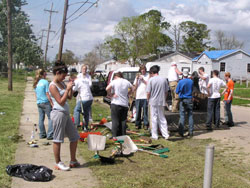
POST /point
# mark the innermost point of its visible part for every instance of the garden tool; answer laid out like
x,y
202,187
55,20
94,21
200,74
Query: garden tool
x,y
152,153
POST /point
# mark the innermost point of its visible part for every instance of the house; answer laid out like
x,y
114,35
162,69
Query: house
x,y
111,65
237,62
183,60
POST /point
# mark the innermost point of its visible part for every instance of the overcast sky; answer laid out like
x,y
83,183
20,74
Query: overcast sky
x,y
92,27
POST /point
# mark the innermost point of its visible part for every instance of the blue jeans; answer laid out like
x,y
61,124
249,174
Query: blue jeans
x,y
86,110
45,108
213,111
141,104
227,112
186,105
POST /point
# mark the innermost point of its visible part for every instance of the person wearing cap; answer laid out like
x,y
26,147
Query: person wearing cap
x,y
184,89
228,99
173,78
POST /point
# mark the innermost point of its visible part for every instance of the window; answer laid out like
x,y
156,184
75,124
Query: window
x,y
222,67
248,67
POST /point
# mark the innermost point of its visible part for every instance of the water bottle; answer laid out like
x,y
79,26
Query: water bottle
x,y
32,137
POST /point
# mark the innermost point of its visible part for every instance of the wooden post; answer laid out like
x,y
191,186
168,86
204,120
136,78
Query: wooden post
x,y
9,45
63,30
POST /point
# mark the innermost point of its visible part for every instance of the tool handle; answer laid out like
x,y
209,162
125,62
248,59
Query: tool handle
x,y
145,151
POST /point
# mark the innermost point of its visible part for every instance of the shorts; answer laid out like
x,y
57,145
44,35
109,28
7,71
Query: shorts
x,y
63,126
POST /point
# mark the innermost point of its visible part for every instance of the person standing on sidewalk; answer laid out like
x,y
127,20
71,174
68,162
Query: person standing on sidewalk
x,y
213,106
60,116
203,81
141,102
228,99
121,89
83,84
44,103
184,89
157,90
173,78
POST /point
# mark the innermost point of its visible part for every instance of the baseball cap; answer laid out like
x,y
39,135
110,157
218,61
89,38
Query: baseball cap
x,y
173,63
185,73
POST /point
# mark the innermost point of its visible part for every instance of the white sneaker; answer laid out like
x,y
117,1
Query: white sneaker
x,y
61,166
154,138
166,138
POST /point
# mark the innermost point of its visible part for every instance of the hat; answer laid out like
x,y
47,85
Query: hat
x,y
173,63
185,73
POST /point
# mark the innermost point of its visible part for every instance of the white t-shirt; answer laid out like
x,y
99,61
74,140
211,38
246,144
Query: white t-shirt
x,y
172,75
216,84
141,92
203,83
120,88
82,85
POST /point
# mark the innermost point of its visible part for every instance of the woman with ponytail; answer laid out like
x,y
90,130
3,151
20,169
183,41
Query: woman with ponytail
x,y
44,103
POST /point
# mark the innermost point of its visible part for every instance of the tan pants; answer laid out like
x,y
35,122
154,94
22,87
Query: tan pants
x,y
175,97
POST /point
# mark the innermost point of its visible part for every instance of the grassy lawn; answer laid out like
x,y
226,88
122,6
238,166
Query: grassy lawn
x,y
244,93
11,105
183,168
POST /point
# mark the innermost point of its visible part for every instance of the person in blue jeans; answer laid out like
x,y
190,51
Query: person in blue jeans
x,y
184,89
141,102
83,85
44,103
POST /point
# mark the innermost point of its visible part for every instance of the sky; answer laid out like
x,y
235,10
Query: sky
x,y
92,27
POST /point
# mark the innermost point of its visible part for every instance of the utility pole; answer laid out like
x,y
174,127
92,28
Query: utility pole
x,y
9,45
51,11
66,4
41,37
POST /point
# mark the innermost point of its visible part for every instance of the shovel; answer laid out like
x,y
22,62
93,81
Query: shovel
x,y
152,153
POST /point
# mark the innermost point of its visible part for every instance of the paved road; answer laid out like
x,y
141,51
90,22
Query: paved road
x,y
76,178
239,135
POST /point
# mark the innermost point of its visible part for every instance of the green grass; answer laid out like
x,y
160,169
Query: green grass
x,y
244,93
237,85
183,168
10,103
241,102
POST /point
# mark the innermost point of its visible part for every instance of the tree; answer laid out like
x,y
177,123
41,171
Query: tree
x,y
23,39
176,32
68,57
196,36
139,35
92,60
227,42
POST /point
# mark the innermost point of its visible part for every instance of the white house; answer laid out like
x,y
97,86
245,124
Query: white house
x,y
111,65
237,62
184,62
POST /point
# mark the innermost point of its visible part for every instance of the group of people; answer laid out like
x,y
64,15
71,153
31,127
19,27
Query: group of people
x,y
150,90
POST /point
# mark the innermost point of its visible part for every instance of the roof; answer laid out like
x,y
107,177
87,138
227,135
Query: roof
x,y
216,54
184,54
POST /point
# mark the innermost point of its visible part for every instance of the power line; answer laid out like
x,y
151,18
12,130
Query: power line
x,y
83,12
77,10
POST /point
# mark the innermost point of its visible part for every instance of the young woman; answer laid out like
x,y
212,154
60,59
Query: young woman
x,y
62,123
44,103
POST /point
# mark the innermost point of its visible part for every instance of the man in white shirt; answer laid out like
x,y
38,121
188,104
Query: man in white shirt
x,y
157,90
213,106
83,84
119,87
173,78
203,81
141,102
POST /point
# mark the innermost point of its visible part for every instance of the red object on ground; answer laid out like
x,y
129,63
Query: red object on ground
x,y
73,119
104,120
85,135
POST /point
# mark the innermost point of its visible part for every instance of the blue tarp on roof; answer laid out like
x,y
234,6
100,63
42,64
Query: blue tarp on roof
x,y
215,54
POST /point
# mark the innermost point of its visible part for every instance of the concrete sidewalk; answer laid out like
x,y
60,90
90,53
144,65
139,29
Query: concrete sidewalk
x,y
43,155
